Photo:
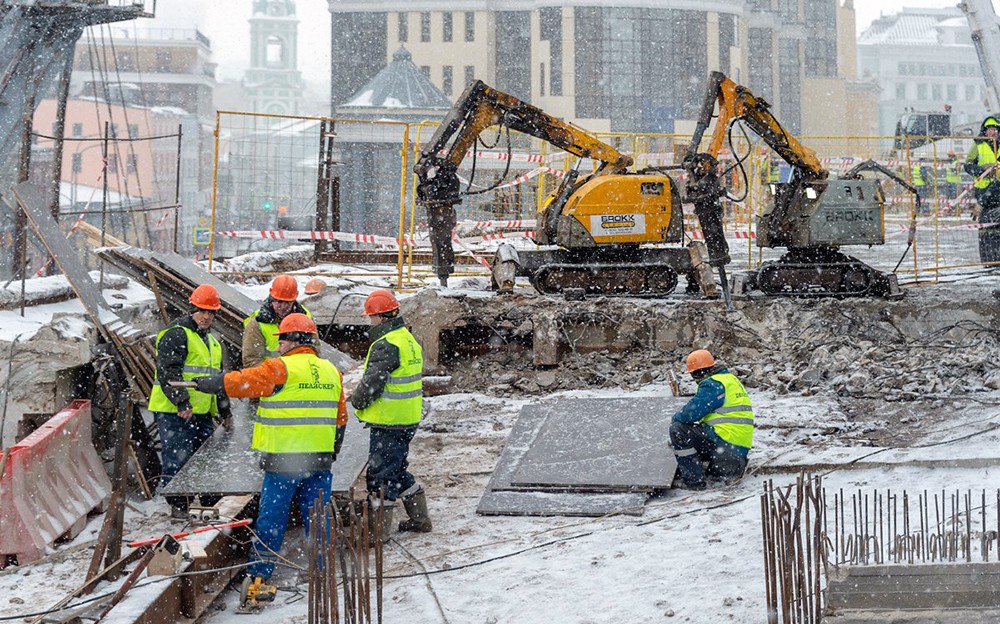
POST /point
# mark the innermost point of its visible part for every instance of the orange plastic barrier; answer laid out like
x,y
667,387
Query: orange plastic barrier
x,y
53,480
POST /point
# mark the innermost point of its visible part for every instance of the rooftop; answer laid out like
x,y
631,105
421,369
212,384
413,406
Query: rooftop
x,y
400,84
910,27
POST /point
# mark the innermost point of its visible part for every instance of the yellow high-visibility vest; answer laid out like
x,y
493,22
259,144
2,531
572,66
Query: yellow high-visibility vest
x,y
302,416
202,360
402,400
733,422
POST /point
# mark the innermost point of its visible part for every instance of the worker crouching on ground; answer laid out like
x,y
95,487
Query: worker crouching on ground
x,y
389,399
299,427
185,350
260,329
716,426
981,164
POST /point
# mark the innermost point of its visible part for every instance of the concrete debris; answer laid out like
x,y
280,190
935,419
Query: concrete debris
x,y
933,344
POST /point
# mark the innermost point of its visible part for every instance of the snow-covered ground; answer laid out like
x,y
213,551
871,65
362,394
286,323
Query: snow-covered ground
x,y
693,557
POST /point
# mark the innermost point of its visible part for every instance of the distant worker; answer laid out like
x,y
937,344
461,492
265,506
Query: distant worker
x,y
952,175
716,426
315,286
185,351
917,177
981,165
260,329
298,430
389,398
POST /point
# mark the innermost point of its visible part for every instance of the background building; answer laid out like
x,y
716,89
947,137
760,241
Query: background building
x,y
923,59
273,84
636,66
148,82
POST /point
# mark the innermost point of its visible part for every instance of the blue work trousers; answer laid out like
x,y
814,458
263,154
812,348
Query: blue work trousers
x,y
694,443
179,439
277,493
388,449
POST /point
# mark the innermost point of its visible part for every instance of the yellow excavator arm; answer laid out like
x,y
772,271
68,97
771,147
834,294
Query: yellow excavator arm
x,y
737,102
481,107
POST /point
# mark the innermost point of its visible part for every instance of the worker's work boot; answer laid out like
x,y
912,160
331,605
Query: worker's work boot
x,y
416,508
386,526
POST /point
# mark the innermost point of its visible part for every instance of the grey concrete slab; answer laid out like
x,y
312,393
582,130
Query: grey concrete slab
x,y
225,464
501,499
602,444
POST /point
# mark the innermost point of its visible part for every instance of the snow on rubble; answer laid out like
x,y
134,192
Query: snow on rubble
x,y
829,379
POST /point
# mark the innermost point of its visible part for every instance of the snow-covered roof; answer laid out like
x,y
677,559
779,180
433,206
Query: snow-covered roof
x,y
910,26
400,84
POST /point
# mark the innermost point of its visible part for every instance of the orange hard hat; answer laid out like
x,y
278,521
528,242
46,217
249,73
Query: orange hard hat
x,y
314,286
297,322
284,288
205,297
380,302
698,360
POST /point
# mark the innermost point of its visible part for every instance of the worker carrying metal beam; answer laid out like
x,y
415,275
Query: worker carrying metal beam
x,y
389,400
185,350
715,427
299,428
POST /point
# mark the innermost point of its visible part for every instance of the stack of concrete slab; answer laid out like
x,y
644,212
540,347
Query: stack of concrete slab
x,y
584,457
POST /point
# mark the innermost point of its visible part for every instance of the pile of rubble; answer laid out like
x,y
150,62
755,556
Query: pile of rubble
x,y
937,343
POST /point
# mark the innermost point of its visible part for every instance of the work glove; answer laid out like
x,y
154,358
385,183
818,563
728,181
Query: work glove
x,y
211,384
338,441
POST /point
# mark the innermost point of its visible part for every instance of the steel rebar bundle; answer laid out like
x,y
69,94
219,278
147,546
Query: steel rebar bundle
x,y
886,527
340,552
793,520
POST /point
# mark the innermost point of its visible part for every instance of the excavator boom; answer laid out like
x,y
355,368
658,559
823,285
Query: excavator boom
x,y
737,102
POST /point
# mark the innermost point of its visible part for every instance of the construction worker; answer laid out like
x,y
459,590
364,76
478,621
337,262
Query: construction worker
x,y
952,175
389,399
315,286
981,164
298,430
716,426
185,350
260,329
917,178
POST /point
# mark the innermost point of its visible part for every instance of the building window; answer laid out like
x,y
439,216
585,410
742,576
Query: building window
x,y
275,52
470,74
446,79
900,90
77,163
112,163
425,27
403,27
446,26
132,164
952,92
163,61
133,131
78,129
425,70
550,22
470,26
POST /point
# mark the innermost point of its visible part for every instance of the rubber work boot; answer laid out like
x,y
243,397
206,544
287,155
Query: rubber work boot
x,y
386,527
416,508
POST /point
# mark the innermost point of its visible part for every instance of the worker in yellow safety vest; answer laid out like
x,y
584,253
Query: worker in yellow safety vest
x,y
185,350
981,164
389,400
715,427
298,431
260,329
952,175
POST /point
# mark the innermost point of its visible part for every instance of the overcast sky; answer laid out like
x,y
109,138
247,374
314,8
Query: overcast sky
x,y
225,23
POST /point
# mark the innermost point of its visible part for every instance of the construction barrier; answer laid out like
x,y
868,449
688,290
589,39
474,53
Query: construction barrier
x,y
51,481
